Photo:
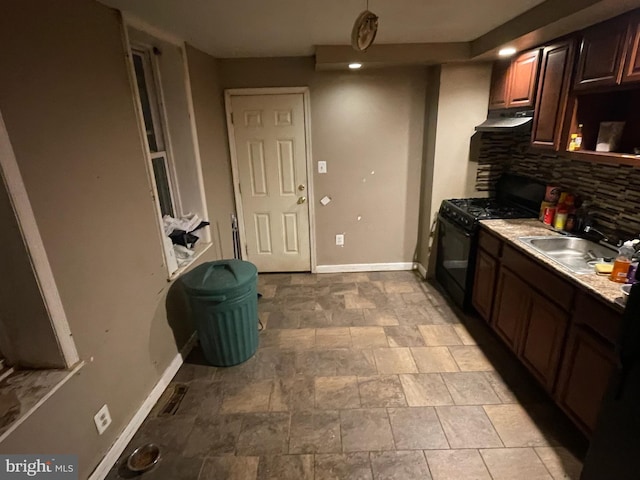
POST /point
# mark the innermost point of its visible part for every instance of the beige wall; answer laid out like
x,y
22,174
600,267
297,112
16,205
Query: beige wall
x,y
24,318
66,100
428,156
462,98
368,127
208,104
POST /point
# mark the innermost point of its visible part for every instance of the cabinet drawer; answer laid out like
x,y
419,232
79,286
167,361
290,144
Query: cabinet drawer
x,y
548,283
491,244
601,318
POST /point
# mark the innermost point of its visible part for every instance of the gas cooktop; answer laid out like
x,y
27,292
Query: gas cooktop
x,y
466,212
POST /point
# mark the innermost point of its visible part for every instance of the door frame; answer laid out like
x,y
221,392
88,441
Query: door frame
x,y
228,93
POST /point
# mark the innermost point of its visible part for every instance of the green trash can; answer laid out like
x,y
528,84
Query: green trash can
x,y
224,305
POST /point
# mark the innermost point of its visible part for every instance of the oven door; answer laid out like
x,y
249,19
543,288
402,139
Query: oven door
x,y
454,259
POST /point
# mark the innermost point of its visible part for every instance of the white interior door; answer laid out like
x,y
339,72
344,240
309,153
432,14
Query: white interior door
x,y
269,136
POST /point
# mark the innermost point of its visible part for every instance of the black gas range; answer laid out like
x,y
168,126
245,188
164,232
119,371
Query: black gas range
x,y
467,212
516,197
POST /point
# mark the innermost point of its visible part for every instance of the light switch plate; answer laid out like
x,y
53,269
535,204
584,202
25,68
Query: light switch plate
x,y
325,201
322,166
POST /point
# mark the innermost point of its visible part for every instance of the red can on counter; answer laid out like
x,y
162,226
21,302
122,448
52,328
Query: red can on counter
x,y
549,215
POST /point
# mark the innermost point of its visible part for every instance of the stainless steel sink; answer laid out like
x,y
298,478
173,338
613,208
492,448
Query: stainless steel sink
x,y
576,254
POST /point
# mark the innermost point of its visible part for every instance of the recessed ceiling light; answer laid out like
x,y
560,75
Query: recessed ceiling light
x,y
507,52
355,66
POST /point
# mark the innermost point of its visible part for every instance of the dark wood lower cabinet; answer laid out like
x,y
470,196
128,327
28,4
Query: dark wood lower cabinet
x,y
563,335
586,367
543,339
484,284
511,307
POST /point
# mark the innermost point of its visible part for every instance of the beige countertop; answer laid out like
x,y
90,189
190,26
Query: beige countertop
x,y
511,230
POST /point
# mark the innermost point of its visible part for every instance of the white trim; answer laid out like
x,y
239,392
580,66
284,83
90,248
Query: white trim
x,y
10,173
131,20
306,101
199,250
422,270
365,267
112,456
265,91
40,402
306,97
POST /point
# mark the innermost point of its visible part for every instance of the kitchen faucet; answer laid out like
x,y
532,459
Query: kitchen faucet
x,y
589,229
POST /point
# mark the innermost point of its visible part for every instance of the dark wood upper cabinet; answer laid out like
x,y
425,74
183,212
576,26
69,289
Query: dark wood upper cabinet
x,y
631,71
553,91
513,83
499,85
523,77
602,53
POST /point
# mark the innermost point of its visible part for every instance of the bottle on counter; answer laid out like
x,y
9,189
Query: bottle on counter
x,y
622,263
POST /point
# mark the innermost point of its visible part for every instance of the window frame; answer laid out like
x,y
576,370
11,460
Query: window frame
x,y
132,22
153,84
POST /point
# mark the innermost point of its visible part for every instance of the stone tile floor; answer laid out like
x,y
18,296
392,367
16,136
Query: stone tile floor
x,y
361,376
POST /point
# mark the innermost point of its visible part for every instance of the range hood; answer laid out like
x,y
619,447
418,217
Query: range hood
x,y
506,120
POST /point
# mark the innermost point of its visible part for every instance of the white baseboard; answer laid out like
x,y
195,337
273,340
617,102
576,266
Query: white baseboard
x,y
129,431
422,270
365,267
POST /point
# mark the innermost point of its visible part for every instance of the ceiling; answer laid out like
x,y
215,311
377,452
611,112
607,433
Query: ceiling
x,y
273,28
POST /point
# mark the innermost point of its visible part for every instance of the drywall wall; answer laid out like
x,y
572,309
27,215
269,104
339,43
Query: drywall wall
x,y
208,104
24,319
425,239
462,98
368,127
462,104
66,99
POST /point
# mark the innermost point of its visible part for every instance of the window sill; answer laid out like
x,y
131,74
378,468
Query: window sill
x,y
32,388
199,250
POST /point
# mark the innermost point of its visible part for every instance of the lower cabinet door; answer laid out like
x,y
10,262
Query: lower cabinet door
x,y
543,339
587,365
511,307
484,284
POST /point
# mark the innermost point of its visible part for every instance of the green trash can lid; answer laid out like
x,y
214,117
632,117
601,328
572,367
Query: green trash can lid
x,y
220,277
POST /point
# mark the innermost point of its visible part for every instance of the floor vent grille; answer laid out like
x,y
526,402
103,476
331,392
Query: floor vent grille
x,y
171,407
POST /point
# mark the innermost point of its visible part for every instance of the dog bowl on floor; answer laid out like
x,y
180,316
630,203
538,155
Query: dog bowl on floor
x,y
143,458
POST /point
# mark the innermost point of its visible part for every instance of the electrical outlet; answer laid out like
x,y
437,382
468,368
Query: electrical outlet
x,y
322,167
340,239
102,419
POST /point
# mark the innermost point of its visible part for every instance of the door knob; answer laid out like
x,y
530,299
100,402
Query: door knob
x,y
301,187
301,200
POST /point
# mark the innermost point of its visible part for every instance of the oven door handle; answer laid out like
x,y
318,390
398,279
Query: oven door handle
x,y
452,225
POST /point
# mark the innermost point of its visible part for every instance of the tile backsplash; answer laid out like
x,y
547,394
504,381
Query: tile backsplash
x,y
612,190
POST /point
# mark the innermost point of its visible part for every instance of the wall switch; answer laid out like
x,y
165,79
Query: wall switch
x,y
340,239
325,201
102,419
322,167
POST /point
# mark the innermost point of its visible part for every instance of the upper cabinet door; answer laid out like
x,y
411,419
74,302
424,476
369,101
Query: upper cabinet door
x,y
499,85
601,55
553,92
632,64
524,73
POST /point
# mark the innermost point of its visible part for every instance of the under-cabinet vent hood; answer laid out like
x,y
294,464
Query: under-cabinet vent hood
x,y
505,120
